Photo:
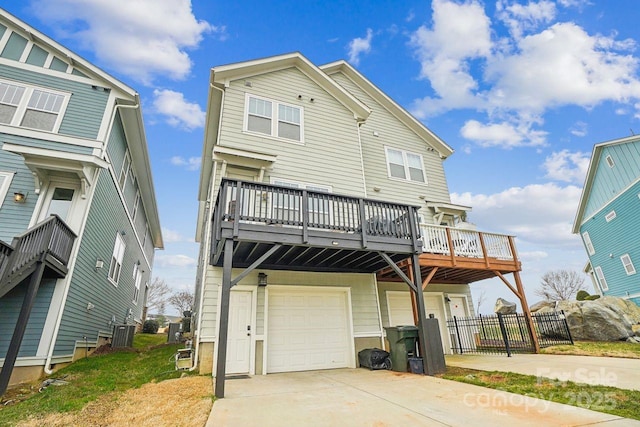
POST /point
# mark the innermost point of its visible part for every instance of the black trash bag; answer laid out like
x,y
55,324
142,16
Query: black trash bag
x,y
374,358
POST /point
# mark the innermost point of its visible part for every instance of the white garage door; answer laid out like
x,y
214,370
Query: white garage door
x,y
307,330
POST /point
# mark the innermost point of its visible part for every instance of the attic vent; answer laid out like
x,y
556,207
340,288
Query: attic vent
x,y
610,161
610,216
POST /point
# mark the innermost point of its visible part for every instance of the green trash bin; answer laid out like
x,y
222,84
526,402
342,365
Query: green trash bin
x,y
402,346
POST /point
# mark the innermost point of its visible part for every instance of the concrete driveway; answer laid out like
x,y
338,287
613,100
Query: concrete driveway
x,y
359,397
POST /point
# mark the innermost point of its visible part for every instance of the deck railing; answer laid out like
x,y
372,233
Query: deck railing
x,y
465,243
257,203
51,237
5,251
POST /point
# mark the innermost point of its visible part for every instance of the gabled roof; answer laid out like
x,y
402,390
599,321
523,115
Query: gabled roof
x,y
222,75
400,113
591,174
125,96
47,43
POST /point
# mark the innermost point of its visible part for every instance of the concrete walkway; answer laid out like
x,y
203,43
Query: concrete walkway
x,y
359,397
608,371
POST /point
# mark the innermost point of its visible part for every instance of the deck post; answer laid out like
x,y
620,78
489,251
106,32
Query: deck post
x,y
21,326
224,318
428,364
527,312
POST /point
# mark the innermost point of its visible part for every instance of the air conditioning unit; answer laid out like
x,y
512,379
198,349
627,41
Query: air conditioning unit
x,y
123,336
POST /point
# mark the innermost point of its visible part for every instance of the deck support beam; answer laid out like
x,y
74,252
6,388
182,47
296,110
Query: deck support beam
x,y
223,328
21,325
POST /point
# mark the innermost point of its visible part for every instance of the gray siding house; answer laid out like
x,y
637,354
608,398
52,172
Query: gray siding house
x,y
78,216
325,216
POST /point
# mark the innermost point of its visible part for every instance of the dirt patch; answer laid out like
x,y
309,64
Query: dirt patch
x,y
179,402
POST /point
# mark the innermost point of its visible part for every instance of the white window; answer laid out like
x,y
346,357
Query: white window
x,y
273,118
137,276
628,265
610,161
116,259
31,107
587,243
5,182
126,165
610,216
601,280
405,165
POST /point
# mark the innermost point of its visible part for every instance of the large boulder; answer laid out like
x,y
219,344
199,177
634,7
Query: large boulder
x,y
604,319
504,307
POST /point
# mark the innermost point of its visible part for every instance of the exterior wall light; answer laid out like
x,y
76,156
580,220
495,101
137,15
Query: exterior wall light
x,y
262,279
19,197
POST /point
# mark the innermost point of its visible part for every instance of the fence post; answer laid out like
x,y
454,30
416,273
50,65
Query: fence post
x,y
566,326
504,335
455,322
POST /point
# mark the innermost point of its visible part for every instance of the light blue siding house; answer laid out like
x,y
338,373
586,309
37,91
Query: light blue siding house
x,y
608,218
78,216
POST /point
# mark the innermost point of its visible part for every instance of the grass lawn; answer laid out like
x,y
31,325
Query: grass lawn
x,y
93,377
610,400
591,348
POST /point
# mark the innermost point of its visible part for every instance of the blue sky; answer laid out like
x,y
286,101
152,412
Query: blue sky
x,y
521,90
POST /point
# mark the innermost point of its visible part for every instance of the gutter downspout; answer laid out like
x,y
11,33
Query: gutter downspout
x,y
364,182
207,235
47,365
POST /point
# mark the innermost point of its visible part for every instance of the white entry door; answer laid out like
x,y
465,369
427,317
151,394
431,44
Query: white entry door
x,y
239,338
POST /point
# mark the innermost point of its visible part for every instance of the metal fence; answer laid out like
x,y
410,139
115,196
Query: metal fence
x,y
507,333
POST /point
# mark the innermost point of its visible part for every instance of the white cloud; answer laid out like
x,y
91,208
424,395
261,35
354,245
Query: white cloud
x,y
579,129
530,256
358,46
521,18
141,38
171,236
540,214
504,134
178,111
192,163
461,32
176,261
514,80
567,166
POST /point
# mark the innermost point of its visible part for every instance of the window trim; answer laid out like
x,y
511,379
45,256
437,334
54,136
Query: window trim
x,y
5,185
610,161
115,270
137,277
405,165
136,205
602,281
124,174
630,271
23,105
610,216
586,239
275,119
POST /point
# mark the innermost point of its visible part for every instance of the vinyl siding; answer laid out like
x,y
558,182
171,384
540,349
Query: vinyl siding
x,y
364,305
10,306
383,287
613,239
330,153
107,217
15,217
393,134
609,182
86,107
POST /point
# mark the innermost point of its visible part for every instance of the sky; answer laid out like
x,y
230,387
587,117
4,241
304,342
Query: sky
x,y
521,90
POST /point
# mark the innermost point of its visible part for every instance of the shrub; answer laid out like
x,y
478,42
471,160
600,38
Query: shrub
x,y
150,327
582,295
592,297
